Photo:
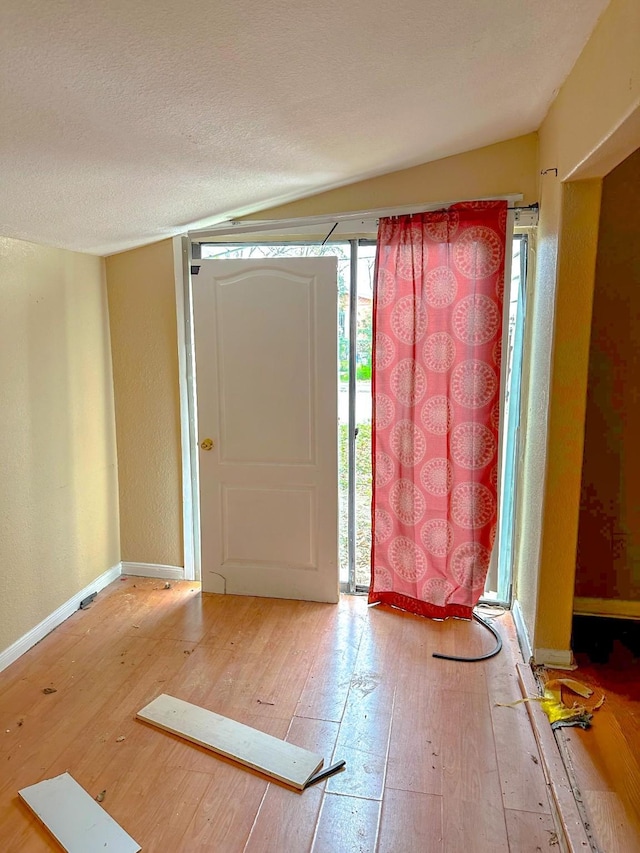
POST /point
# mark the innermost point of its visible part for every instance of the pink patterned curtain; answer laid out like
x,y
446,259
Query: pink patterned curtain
x,y
437,334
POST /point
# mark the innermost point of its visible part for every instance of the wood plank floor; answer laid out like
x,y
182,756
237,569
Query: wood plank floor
x,y
604,761
432,763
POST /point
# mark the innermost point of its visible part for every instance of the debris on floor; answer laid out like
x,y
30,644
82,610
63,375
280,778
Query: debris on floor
x,y
338,767
48,690
120,739
84,604
100,797
74,819
250,747
556,707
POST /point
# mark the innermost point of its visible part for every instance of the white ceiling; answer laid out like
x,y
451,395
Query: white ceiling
x,y
123,122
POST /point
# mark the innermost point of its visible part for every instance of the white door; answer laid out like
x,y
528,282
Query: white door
x,y
266,373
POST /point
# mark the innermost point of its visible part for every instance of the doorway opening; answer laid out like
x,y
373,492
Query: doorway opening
x,y
355,262
356,267
498,588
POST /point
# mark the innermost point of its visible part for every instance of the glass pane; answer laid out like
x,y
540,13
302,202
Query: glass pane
x,y
511,417
366,264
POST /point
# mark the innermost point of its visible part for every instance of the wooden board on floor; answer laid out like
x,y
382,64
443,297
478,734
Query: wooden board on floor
x,y
74,818
270,755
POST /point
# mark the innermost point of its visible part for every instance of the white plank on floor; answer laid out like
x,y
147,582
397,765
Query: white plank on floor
x,y
75,819
270,755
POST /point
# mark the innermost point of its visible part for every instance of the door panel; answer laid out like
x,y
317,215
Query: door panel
x,y
266,371
269,526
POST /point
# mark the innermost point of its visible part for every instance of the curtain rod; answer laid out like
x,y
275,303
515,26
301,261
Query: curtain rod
x,y
247,226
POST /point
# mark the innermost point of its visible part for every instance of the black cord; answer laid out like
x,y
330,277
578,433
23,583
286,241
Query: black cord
x,y
330,233
487,655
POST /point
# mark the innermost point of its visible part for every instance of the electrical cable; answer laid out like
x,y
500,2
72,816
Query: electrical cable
x,y
487,655
330,233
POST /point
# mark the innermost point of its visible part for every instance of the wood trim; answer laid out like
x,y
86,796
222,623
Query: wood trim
x,y
249,226
40,631
74,818
562,799
554,658
249,746
561,740
616,608
153,570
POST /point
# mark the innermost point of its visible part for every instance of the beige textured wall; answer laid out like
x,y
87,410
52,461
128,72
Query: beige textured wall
x,y
597,111
143,332
609,532
142,313
592,125
500,169
58,480
575,273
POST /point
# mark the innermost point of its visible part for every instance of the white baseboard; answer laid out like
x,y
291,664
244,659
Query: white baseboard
x,y
616,608
11,654
153,570
521,631
555,658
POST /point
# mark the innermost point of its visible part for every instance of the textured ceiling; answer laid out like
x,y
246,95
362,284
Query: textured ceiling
x,y
123,122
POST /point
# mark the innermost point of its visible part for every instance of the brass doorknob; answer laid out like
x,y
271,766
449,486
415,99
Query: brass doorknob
x,y
207,444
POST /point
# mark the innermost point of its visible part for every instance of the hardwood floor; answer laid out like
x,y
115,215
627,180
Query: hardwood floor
x,y
432,763
604,761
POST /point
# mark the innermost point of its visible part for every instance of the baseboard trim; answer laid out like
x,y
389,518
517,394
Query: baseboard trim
x,y
153,570
616,608
40,631
554,658
521,631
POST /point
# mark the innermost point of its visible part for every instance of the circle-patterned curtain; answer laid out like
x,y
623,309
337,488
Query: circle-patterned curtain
x,y
436,375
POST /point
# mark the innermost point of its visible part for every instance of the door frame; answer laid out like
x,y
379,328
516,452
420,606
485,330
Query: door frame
x,y
186,253
188,411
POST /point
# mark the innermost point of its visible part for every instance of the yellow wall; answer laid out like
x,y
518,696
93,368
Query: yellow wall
x,y
609,531
143,331
142,313
591,126
58,480
594,122
500,169
577,241
58,499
